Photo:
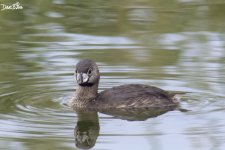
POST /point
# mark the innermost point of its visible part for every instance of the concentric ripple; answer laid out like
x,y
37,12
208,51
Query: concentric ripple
x,y
32,116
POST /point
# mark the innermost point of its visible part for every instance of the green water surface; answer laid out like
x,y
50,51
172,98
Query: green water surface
x,y
177,45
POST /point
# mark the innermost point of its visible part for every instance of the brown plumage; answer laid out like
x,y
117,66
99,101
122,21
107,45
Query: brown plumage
x,y
133,96
119,97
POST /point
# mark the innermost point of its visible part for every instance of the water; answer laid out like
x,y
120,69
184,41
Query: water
x,y
177,46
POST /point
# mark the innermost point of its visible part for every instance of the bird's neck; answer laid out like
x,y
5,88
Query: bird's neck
x,y
86,93
83,96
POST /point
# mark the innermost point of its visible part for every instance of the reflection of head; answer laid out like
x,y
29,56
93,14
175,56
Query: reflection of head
x,y
86,134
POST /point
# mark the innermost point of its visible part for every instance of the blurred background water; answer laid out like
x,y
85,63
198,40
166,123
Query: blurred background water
x,y
177,45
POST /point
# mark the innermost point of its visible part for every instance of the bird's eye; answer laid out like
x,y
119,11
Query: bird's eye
x,y
89,71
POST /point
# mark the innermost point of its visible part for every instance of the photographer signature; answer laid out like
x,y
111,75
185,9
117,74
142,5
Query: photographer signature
x,y
14,6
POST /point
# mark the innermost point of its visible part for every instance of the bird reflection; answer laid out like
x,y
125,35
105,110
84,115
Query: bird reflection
x,y
87,128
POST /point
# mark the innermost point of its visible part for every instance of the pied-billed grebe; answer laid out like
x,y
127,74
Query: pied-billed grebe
x,y
124,96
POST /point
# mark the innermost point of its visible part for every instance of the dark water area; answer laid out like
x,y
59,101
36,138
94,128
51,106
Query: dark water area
x,y
176,45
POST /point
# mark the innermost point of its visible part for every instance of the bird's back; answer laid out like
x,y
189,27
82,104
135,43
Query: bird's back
x,y
133,96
